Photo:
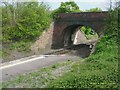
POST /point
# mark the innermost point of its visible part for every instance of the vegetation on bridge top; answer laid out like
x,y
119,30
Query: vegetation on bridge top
x,y
70,7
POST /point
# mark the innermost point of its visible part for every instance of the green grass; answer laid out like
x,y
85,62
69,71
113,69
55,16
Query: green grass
x,y
0,54
100,70
5,53
21,46
39,78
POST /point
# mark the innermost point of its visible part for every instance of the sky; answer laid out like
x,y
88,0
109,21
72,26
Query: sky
x,y
83,4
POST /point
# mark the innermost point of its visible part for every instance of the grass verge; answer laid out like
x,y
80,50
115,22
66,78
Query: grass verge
x,y
100,70
39,78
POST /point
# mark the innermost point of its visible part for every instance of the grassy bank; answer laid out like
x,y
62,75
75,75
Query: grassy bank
x,y
98,71
16,50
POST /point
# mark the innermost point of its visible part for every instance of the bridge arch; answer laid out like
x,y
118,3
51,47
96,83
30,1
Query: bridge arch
x,y
69,35
71,21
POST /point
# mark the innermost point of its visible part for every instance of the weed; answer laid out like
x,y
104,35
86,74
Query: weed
x,y
54,66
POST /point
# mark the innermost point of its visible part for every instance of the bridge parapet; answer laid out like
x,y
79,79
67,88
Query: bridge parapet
x,y
84,16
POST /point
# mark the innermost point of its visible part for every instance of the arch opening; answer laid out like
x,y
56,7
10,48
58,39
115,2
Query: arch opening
x,y
78,34
80,39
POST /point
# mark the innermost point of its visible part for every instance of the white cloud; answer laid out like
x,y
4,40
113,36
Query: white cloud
x,y
79,0
61,0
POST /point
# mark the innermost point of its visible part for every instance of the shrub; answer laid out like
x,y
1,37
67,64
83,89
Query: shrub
x,y
26,21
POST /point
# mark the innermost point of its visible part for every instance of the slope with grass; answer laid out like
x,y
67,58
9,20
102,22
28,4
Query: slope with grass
x,y
100,70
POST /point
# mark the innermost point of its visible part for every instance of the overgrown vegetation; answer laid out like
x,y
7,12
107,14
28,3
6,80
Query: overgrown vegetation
x,y
94,10
89,32
24,21
22,24
100,70
65,7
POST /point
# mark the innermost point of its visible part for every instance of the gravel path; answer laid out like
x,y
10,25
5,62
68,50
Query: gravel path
x,y
12,69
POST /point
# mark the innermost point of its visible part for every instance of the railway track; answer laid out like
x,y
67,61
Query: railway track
x,y
58,52
67,50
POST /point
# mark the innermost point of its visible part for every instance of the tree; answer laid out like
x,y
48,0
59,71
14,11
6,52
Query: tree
x,y
94,10
87,30
69,7
24,20
66,7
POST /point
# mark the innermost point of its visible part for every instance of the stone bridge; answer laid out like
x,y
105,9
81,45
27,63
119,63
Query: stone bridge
x,y
67,23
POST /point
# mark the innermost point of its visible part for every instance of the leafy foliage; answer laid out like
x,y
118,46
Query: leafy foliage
x,y
94,10
21,46
65,7
24,21
113,24
87,30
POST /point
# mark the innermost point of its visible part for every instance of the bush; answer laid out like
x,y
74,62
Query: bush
x,y
25,22
65,7
21,46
